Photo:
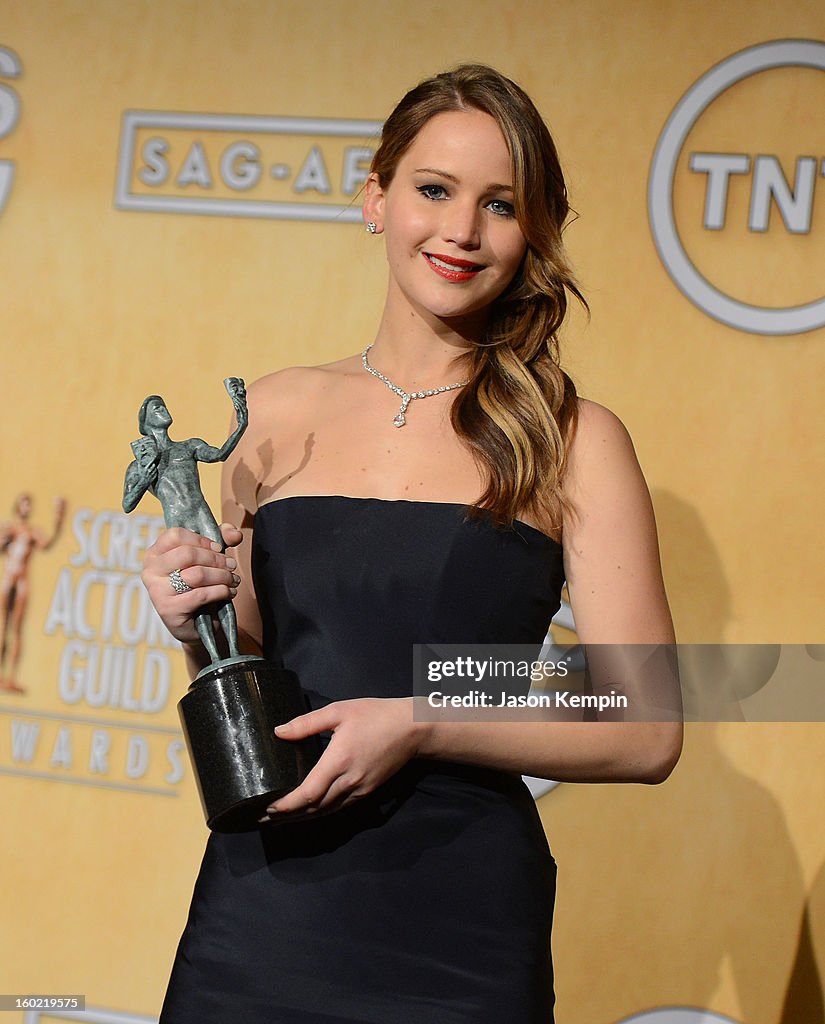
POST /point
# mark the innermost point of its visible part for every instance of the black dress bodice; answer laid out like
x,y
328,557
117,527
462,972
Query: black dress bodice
x,y
430,900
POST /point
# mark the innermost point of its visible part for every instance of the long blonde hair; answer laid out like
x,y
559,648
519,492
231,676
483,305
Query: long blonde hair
x,y
518,411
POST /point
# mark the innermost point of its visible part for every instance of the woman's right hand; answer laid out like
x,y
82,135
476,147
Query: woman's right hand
x,y
202,565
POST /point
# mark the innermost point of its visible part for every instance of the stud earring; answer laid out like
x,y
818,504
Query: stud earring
x,y
372,227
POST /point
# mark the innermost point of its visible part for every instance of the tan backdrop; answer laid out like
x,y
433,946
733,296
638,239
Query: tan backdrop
x,y
146,254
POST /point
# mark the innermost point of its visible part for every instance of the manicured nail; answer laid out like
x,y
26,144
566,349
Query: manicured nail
x,y
231,563
236,580
216,546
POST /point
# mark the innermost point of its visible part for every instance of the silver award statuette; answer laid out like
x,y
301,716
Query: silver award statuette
x,y
230,711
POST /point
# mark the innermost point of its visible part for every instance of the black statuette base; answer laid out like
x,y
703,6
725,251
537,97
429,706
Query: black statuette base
x,y
228,717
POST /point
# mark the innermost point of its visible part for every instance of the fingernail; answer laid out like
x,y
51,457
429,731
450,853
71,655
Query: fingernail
x,y
216,546
231,563
272,810
236,580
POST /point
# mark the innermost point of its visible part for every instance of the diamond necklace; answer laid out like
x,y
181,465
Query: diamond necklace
x,y
405,396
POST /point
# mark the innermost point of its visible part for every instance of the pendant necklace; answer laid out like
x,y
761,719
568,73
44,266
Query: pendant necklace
x,y
405,396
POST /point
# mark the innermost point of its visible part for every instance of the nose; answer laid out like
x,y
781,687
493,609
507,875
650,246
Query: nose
x,y
461,224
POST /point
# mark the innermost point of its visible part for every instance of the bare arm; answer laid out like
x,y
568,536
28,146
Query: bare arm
x,y
618,597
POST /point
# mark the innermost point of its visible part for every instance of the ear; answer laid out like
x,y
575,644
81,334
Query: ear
x,y
373,209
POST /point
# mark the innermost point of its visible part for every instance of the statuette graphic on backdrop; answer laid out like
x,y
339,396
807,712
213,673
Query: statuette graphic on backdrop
x,y
19,540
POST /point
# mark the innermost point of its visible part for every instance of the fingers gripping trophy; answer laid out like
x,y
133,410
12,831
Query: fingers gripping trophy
x,y
232,708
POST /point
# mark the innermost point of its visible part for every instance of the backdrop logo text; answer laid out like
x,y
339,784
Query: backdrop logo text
x,y
232,165
114,676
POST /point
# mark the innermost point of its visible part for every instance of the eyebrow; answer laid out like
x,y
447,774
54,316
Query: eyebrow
x,y
452,177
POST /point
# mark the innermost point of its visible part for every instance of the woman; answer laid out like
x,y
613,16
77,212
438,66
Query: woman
x,y
420,491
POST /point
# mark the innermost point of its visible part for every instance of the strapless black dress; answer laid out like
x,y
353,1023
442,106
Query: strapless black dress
x,y
429,901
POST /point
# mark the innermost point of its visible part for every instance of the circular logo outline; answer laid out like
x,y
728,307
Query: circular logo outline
x,y
10,67
677,1015
740,315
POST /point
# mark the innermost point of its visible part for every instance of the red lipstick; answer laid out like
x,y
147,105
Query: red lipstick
x,y
451,268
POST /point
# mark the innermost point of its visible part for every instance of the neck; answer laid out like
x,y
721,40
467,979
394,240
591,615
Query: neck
x,y
417,350
161,436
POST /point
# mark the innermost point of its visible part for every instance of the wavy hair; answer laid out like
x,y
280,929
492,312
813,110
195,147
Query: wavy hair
x,y
517,414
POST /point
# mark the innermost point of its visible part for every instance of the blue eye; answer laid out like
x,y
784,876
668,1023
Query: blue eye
x,y
501,208
428,191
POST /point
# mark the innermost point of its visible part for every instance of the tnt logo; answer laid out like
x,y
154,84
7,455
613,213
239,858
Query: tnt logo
x,y
768,184
732,195
10,67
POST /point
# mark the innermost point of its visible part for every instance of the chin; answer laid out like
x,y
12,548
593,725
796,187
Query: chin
x,y
456,307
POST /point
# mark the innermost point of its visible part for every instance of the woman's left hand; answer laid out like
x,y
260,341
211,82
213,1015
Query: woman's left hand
x,y
372,737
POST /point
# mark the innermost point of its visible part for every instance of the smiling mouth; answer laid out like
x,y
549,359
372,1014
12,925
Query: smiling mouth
x,y
452,268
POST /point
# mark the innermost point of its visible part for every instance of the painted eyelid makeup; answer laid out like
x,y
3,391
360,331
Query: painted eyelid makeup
x,y
424,189
508,211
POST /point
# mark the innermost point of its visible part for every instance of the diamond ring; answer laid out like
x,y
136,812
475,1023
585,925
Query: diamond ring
x,y
177,582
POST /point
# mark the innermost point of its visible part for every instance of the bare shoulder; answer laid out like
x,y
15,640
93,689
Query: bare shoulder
x,y
297,383
290,384
283,406
279,398
597,425
611,551
601,449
